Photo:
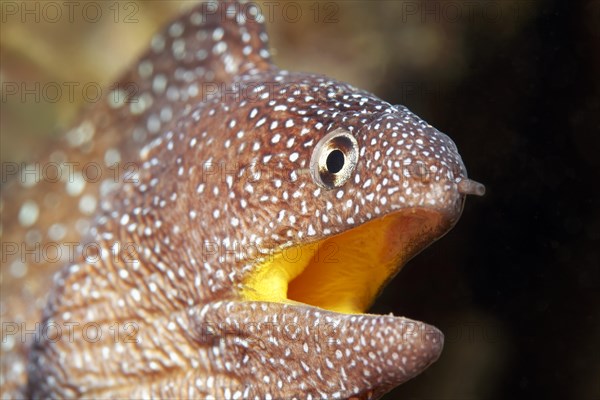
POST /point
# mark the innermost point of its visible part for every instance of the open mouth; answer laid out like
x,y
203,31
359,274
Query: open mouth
x,y
346,272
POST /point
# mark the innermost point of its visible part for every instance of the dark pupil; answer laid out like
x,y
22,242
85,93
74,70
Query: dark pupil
x,y
335,161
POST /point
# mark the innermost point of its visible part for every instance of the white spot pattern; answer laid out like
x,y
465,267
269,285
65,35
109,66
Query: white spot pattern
x,y
213,171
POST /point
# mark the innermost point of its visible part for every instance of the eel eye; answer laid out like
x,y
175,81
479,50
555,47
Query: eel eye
x,y
334,158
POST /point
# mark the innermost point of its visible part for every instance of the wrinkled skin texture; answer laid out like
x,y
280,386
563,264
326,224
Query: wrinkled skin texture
x,y
211,111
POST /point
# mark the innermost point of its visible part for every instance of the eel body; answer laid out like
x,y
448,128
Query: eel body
x,y
246,219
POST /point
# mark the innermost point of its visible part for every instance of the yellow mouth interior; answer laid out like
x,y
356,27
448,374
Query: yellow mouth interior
x,y
344,273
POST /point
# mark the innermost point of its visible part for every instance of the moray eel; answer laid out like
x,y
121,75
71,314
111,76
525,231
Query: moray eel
x,y
256,216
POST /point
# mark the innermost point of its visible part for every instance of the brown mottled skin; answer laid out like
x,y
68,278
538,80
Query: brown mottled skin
x,y
175,285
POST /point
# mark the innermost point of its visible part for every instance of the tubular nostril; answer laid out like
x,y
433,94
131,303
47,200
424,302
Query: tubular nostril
x,y
469,186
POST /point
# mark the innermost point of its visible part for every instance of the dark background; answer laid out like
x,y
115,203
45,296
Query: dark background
x,y
517,282
516,285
